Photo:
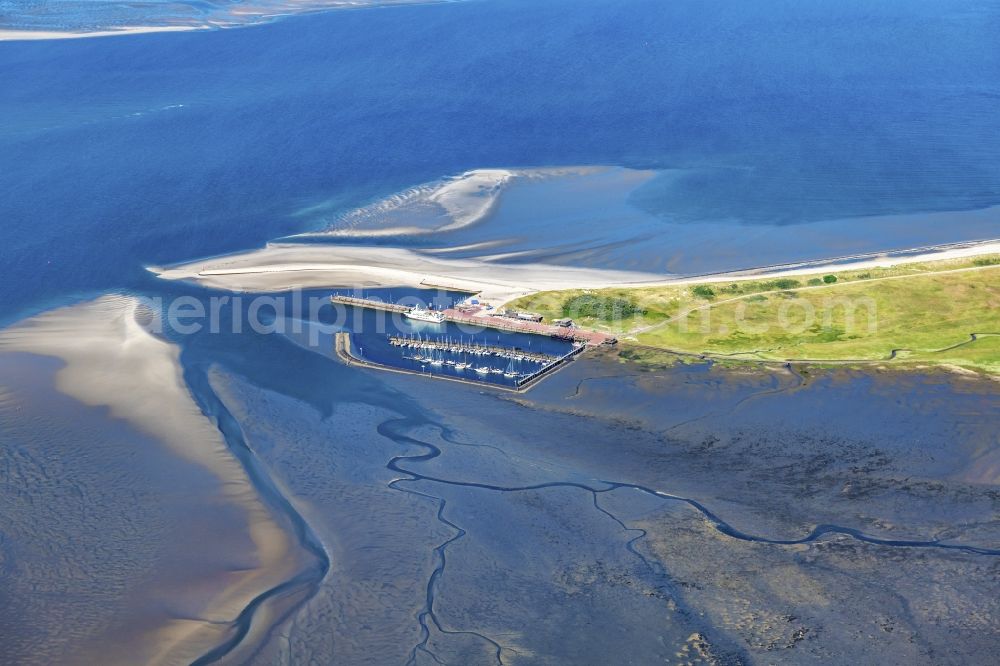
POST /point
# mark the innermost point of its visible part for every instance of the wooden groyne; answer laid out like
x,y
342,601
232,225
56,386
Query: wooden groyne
x,y
461,289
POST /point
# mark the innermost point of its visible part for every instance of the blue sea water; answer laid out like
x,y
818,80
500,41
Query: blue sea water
x,y
119,152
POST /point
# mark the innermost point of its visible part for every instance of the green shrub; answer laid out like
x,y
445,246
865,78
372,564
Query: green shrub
x,y
607,308
785,283
986,261
703,291
813,282
628,354
829,279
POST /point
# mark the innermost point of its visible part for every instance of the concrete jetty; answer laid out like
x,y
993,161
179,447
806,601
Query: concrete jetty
x,y
370,303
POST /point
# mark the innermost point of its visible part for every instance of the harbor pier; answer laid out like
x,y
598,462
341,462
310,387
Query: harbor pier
x,y
481,317
469,348
369,303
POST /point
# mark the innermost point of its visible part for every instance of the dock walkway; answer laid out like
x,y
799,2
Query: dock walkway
x,y
474,349
481,318
571,334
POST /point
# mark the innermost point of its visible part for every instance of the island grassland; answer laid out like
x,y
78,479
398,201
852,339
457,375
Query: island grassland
x,y
942,312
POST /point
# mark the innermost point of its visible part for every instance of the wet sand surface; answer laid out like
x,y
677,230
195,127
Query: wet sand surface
x,y
113,547
129,512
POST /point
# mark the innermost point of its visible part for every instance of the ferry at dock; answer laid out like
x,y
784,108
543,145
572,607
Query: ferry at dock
x,y
420,314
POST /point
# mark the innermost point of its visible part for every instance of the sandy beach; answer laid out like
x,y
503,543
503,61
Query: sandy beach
x,y
284,267
862,261
280,267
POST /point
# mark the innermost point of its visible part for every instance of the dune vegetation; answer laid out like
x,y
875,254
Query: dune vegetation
x,y
944,312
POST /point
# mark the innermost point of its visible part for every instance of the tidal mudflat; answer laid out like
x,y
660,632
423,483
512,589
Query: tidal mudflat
x,y
688,512
676,512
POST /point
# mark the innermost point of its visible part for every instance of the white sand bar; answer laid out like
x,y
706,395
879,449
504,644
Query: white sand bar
x,y
280,267
286,267
37,35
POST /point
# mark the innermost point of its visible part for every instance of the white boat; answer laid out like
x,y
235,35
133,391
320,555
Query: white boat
x,y
421,314
482,370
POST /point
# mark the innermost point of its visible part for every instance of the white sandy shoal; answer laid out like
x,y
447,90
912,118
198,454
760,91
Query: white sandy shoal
x,y
466,199
470,197
37,35
112,361
238,15
285,267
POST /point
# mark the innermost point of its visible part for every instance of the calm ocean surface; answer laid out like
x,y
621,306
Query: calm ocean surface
x,y
116,153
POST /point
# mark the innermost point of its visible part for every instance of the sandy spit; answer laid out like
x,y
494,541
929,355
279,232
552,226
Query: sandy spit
x,y
285,267
282,267
37,35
